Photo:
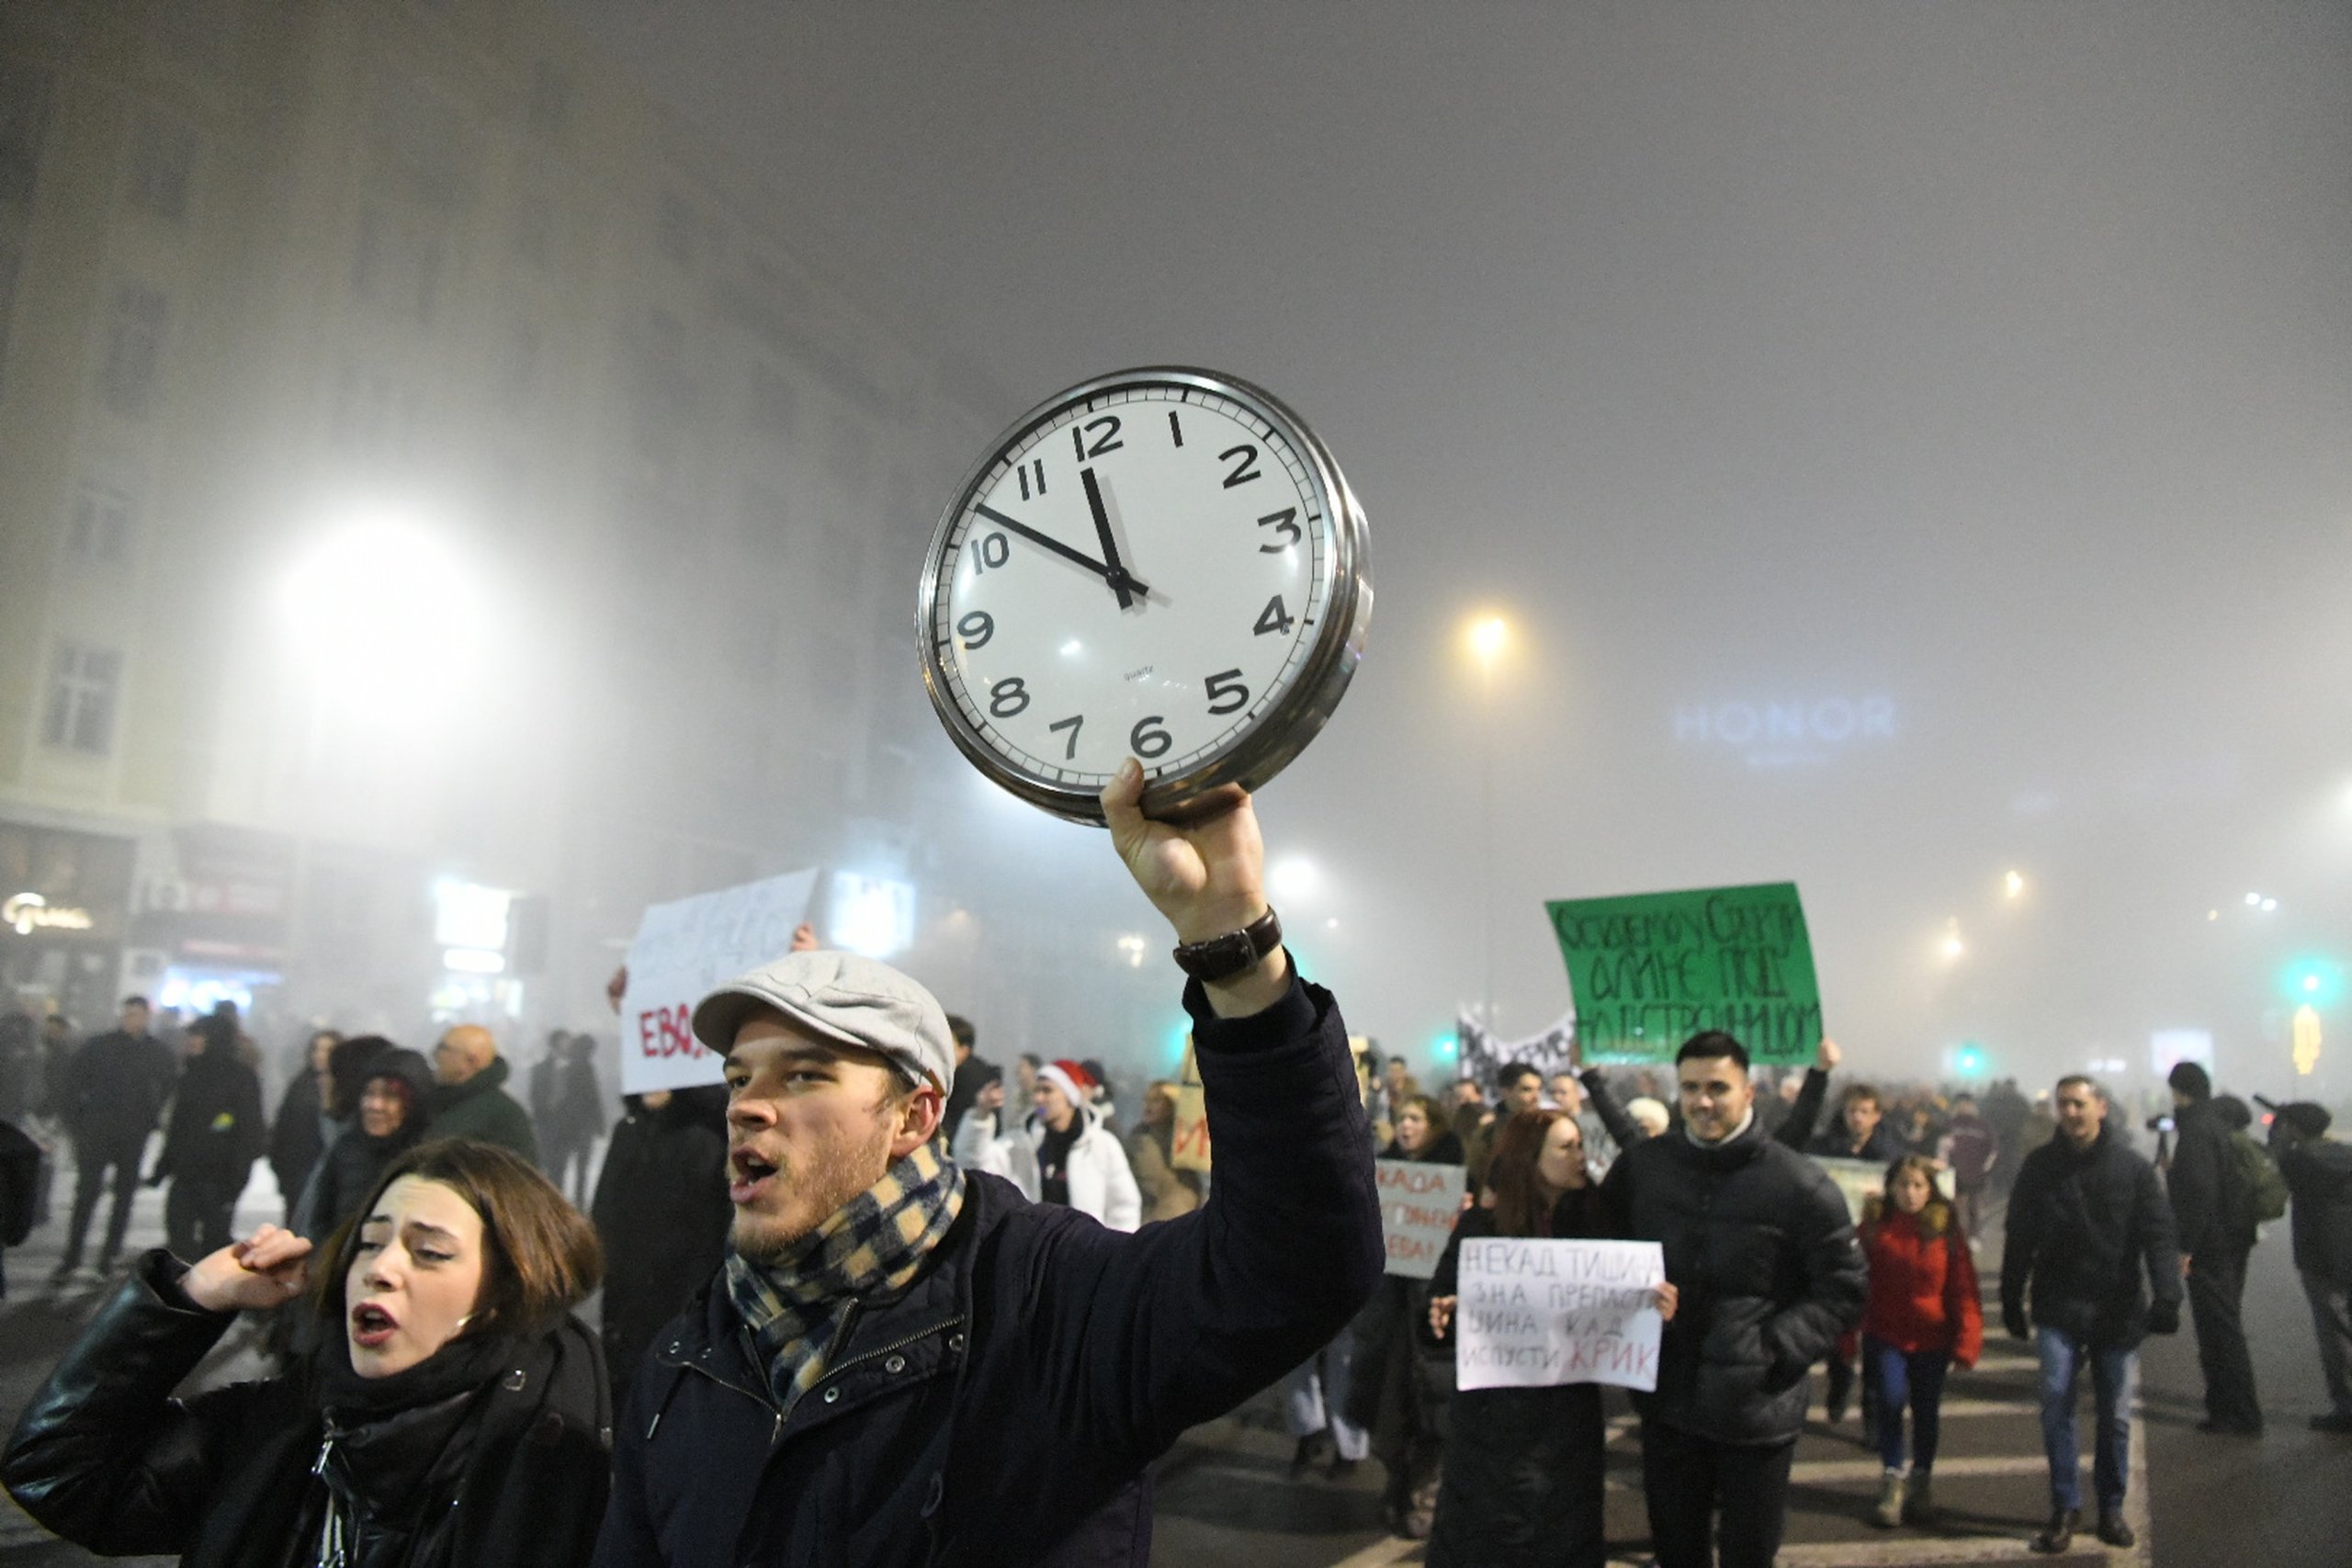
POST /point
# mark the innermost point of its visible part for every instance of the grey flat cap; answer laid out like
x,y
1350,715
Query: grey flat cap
x,y
839,997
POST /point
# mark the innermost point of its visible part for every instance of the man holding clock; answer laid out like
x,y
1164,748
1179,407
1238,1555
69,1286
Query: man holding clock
x,y
906,1363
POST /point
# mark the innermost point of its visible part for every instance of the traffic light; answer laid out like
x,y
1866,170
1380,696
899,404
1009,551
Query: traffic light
x,y
1968,1061
2313,980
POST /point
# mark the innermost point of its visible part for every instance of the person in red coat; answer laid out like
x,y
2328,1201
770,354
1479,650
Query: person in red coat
x,y
1924,1314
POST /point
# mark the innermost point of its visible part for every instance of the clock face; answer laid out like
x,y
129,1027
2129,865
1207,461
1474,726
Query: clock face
x,y
1161,564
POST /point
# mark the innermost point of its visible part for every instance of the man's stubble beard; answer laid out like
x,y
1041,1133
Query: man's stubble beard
x,y
833,1176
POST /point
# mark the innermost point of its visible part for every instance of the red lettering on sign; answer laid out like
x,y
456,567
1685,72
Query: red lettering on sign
x,y
667,1032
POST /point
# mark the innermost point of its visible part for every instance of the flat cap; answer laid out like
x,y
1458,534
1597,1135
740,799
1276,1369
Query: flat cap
x,y
840,996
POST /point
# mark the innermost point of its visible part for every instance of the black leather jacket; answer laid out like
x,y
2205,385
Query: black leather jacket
x,y
514,1472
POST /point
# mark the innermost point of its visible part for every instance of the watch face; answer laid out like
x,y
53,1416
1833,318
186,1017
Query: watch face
x,y
1161,564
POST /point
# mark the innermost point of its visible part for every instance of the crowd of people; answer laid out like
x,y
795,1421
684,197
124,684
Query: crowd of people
x,y
866,1300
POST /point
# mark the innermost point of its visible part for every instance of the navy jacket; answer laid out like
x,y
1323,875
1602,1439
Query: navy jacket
x,y
1002,1409
2090,1234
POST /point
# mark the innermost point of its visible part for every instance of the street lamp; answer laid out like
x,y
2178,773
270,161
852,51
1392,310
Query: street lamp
x,y
387,616
1487,636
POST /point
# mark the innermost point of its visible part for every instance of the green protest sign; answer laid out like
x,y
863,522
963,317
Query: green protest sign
x,y
1652,969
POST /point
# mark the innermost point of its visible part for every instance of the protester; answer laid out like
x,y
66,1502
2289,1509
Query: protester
x,y
1396,1086
1971,1150
1924,1315
1314,1398
946,1374
2091,1249
1524,1467
1470,1110
20,1085
1151,1153
2216,1234
1564,1093
469,1098
985,1143
1649,1117
971,1071
1523,1089
1079,1161
299,1134
115,1091
2318,1173
57,1047
1399,1386
1861,1134
457,1420
1762,1238
214,1136
662,1212
390,1115
575,1119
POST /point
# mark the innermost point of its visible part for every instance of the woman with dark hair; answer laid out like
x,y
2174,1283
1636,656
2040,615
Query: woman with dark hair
x,y
1401,1384
1523,1468
389,1118
455,1414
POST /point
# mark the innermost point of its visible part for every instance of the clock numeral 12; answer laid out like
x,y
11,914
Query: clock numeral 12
x,y
1272,619
1037,468
1107,442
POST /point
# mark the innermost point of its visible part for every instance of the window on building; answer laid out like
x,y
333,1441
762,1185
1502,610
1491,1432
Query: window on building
x,y
24,126
84,683
549,104
99,532
162,159
134,350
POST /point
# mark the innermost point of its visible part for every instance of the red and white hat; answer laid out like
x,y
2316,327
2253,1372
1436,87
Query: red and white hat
x,y
1075,1082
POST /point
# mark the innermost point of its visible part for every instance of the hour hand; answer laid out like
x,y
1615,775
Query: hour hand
x,y
1118,580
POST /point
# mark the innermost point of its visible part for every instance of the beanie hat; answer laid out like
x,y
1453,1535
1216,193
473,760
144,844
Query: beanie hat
x,y
1075,1082
2305,1117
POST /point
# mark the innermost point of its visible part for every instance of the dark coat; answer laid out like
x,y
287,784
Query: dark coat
x,y
115,1089
661,1211
347,1172
1760,1244
105,1457
1879,1148
2319,1174
1002,1409
295,1138
216,1129
2089,1235
481,1108
2202,1182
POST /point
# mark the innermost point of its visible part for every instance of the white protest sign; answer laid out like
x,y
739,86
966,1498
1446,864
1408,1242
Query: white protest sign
x,y
1534,1314
1418,1205
1863,1179
683,950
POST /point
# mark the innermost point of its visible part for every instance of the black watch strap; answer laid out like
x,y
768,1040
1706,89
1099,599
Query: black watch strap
x,y
1223,957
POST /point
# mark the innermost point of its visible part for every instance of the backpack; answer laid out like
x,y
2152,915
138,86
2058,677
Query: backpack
x,y
2259,1192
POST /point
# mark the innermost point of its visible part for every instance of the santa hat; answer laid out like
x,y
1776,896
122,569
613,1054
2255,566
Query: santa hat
x,y
1075,1082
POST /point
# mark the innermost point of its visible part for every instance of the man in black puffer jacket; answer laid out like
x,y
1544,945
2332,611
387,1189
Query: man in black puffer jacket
x,y
2090,1234
903,1362
1760,1242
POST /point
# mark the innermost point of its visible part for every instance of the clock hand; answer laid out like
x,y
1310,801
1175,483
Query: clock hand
x,y
1117,574
1089,562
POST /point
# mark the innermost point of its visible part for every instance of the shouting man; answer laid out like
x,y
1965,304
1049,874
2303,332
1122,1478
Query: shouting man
x,y
906,1363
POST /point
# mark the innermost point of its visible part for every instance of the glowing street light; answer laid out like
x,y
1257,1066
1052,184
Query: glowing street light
x,y
1487,636
1951,947
389,622
1293,880
2013,884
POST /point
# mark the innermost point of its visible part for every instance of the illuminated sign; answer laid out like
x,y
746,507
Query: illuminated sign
x,y
29,912
2306,1041
1778,733
2166,1047
465,914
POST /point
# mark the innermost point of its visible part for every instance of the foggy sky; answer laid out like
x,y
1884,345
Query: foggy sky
x,y
1992,360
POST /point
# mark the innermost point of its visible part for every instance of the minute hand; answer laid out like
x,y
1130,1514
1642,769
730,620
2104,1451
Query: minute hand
x,y
1110,575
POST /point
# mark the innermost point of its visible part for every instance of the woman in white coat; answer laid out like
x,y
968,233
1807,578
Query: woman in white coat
x,y
1079,1161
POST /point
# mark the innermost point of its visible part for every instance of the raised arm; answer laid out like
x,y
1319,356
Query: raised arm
x,y
1796,1130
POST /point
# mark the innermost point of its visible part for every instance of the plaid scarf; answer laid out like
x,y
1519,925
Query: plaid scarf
x,y
797,1309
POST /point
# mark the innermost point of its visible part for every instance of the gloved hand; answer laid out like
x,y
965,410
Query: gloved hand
x,y
2163,1317
2013,1319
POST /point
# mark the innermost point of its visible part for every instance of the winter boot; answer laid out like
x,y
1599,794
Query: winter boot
x,y
1888,1512
1918,1502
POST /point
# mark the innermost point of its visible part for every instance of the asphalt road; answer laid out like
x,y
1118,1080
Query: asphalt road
x,y
2283,1501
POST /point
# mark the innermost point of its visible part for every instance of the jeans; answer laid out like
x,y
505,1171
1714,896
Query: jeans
x,y
2332,1321
1686,1479
2216,1293
2115,1382
1912,1377
1315,1393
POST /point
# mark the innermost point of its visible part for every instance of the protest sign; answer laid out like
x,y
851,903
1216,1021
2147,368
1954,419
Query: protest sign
x,y
1535,1314
1481,1055
1861,1180
1651,970
1418,1206
1188,1142
683,950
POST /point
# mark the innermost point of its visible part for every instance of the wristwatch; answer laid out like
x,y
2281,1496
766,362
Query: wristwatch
x,y
1223,957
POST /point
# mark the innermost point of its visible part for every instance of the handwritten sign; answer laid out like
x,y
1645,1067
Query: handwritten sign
x,y
1418,1205
685,950
1651,970
1188,1141
1863,1179
1536,1314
